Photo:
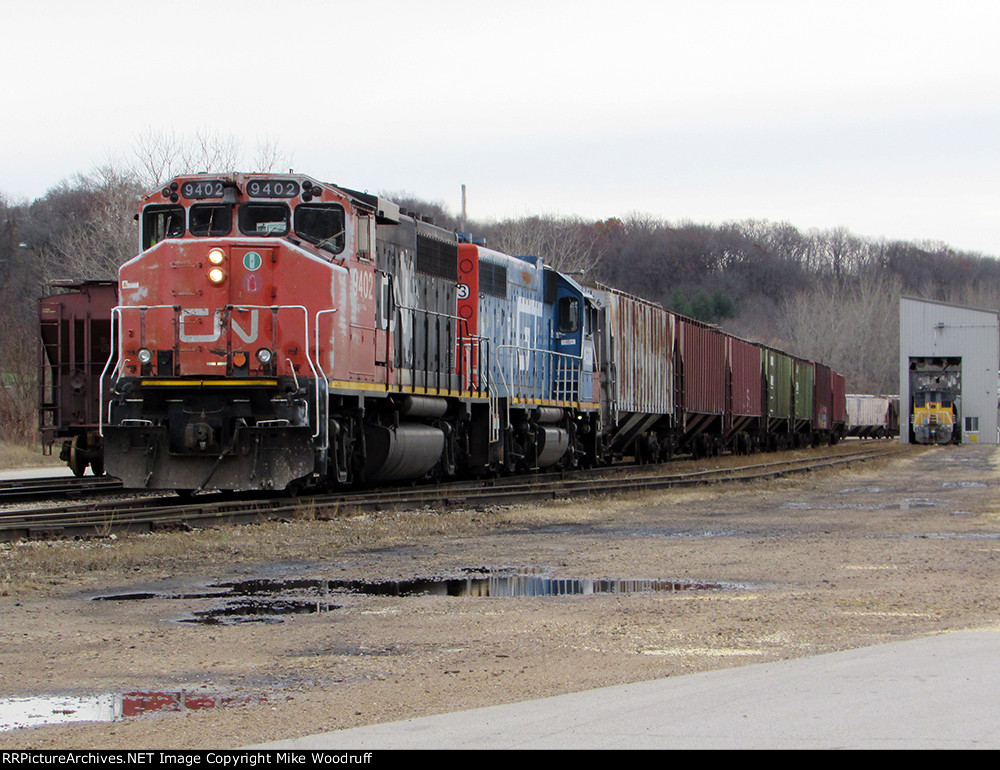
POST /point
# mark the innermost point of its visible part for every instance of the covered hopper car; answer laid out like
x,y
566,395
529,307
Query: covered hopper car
x,y
75,344
872,416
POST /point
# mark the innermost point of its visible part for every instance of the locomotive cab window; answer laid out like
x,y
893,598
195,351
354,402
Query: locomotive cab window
x,y
321,225
270,219
569,314
160,222
208,219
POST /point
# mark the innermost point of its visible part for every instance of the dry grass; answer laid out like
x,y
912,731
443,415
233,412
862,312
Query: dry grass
x,y
15,455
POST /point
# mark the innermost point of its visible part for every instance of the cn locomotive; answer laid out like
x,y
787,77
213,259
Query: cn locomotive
x,y
278,332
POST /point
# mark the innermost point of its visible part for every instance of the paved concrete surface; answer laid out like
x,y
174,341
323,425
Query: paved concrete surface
x,y
937,692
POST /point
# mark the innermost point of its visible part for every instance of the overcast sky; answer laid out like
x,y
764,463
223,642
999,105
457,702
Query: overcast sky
x,y
883,117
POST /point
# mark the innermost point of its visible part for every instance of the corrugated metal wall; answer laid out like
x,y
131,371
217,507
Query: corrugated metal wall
x,y
643,353
803,390
822,398
778,368
703,352
746,362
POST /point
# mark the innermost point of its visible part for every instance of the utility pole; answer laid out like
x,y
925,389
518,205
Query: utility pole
x,y
463,208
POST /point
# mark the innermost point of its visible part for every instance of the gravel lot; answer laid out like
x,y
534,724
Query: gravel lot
x,y
879,552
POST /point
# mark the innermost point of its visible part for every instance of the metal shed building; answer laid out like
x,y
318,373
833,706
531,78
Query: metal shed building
x,y
958,347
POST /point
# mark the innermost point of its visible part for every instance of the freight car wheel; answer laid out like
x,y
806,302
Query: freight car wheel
x,y
77,457
97,466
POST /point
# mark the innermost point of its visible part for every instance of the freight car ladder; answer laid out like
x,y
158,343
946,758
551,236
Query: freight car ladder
x,y
49,365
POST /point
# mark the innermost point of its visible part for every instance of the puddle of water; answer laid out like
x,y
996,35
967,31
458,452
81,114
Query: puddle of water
x,y
267,600
680,533
905,505
954,484
258,611
17,713
517,586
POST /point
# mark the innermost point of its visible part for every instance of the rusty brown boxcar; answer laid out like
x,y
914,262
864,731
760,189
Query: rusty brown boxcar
x,y
839,387
75,326
635,345
746,395
701,375
828,405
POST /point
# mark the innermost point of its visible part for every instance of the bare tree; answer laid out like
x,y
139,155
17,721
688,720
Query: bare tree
x,y
158,156
103,234
852,326
18,376
269,157
566,243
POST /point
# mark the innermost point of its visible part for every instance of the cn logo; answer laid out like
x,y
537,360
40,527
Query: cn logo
x,y
191,314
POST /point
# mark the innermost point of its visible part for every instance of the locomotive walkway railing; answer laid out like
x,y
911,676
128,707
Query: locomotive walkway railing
x,y
471,368
533,373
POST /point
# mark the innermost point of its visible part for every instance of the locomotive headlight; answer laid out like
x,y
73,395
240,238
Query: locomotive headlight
x,y
216,256
145,355
216,275
264,356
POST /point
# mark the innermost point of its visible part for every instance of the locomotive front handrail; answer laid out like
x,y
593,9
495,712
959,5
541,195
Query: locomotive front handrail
x,y
142,309
325,443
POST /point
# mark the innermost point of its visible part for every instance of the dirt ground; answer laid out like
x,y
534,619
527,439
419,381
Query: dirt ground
x,y
879,552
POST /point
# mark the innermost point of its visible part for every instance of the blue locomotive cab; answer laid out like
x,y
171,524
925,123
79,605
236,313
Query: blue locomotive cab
x,y
571,339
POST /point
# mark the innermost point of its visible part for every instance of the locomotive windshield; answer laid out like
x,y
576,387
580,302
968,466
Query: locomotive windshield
x,y
322,225
925,397
270,219
159,222
211,219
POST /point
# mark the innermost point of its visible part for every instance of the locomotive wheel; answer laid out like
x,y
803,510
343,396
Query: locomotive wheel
x,y
97,466
77,457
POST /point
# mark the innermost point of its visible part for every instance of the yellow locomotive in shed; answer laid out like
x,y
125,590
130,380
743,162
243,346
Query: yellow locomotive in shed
x,y
933,418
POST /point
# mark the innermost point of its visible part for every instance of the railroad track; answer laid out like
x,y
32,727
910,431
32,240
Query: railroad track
x,y
47,487
157,513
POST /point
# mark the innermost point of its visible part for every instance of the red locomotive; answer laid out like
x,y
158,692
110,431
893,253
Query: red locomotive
x,y
276,331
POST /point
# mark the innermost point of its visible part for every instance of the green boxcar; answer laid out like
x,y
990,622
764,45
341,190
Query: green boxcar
x,y
778,374
804,373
